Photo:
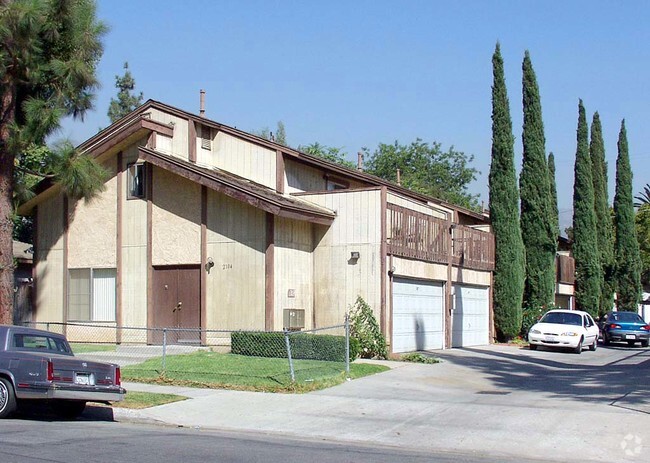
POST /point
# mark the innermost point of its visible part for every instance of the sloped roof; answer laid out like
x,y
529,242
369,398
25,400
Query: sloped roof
x,y
241,189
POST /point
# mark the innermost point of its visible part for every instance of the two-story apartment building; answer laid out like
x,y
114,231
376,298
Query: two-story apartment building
x,y
204,225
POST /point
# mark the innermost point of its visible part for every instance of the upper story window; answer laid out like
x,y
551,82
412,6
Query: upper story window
x,y
206,137
135,181
336,184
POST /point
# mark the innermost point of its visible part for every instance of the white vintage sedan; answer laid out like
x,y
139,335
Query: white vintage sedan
x,y
571,329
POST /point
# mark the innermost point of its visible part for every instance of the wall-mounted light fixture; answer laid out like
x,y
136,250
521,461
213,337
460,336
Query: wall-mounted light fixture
x,y
354,255
209,264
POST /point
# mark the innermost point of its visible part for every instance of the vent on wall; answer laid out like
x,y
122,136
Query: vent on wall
x,y
206,138
294,319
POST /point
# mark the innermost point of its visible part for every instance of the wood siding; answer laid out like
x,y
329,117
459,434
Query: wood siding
x,y
418,206
239,157
180,140
236,241
176,219
338,279
565,269
293,269
300,177
134,257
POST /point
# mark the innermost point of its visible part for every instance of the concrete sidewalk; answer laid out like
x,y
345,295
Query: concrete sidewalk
x,y
448,407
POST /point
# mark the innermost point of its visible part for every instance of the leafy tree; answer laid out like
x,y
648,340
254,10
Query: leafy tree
x,y
48,56
427,169
642,222
280,136
365,329
555,213
509,266
626,246
644,196
585,245
540,239
126,101
329,153
605,238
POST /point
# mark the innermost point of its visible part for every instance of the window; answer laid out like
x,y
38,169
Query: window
x,y
135,181
33,342
91,294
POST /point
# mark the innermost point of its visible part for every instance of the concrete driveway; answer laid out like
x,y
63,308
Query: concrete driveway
x,y
498,401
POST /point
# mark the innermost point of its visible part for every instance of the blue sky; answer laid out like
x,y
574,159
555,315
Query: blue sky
x,y
356,73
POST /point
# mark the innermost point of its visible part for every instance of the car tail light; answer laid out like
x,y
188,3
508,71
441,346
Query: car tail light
x,y
50,371
118,377
646,328
614,326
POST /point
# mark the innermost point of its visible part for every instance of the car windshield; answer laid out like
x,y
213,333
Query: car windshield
x,y
562,318
629,317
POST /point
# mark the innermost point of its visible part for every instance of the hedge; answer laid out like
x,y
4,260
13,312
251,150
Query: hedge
x,y
303,346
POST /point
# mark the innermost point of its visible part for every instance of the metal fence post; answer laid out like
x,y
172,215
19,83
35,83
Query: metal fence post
x,y
164,352
347,346
286,339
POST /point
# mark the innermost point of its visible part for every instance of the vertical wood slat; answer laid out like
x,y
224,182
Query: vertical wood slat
x,y
269,264
118,250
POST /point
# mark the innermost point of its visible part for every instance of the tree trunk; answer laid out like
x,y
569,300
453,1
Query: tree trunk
x,y
6,213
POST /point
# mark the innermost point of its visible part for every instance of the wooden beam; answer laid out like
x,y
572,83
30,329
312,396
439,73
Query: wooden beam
x,y
204,261
269,273
66,219
150,307
191,140
279,172
118,249
382,263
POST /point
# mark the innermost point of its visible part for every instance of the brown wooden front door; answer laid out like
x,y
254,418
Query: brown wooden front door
x,y
177,304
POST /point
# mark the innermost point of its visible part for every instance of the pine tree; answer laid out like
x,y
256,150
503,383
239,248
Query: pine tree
x,y
628,260
585,244
604,225
126,101
555,213
509,265
536,227
48,55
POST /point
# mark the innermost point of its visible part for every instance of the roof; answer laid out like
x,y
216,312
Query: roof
x,y
136,124
239,188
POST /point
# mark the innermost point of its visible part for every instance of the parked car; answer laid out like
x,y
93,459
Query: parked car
x,y
39,365
564,328
624,327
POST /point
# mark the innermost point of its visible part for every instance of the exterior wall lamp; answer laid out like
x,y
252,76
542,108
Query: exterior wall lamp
x,y
354,255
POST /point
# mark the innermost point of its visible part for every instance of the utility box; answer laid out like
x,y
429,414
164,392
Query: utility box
x,y
294,319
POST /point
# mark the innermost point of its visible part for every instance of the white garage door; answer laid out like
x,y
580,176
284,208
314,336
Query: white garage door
x,y
417,315
470,316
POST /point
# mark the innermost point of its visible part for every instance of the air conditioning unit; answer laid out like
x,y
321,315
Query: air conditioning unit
x,y
294,319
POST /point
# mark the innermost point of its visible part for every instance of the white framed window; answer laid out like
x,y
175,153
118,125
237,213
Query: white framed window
x,y
135,181
92,294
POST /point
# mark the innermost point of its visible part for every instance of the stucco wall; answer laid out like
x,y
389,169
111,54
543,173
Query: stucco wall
x,y
176,220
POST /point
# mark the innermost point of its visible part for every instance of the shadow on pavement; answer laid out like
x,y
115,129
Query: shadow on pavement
x,y
42,412
621,383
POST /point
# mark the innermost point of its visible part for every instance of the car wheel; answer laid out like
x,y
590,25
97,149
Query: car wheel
x,y
69,408
7,398
532,346
644,343
594,346
578,348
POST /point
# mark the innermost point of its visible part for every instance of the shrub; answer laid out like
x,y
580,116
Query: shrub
x,y
303,345
416,357
530,316
365,329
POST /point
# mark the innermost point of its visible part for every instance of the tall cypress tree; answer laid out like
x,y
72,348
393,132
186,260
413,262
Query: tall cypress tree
x,y
628,260
604,225
585,243
536,228
555,213
509,266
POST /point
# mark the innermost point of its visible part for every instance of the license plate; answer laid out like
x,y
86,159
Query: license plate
x,y
630,336
549,338
84,379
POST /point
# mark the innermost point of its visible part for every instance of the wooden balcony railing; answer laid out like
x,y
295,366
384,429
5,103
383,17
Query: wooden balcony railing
x,y
419,236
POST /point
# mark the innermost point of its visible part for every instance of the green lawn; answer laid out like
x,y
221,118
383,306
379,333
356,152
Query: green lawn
x,y
229,371
82,348
134,399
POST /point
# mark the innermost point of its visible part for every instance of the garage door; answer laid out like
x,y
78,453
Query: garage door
x,y
417,315
470,317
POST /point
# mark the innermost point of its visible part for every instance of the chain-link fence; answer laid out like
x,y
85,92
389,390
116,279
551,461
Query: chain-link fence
x,y
257,360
